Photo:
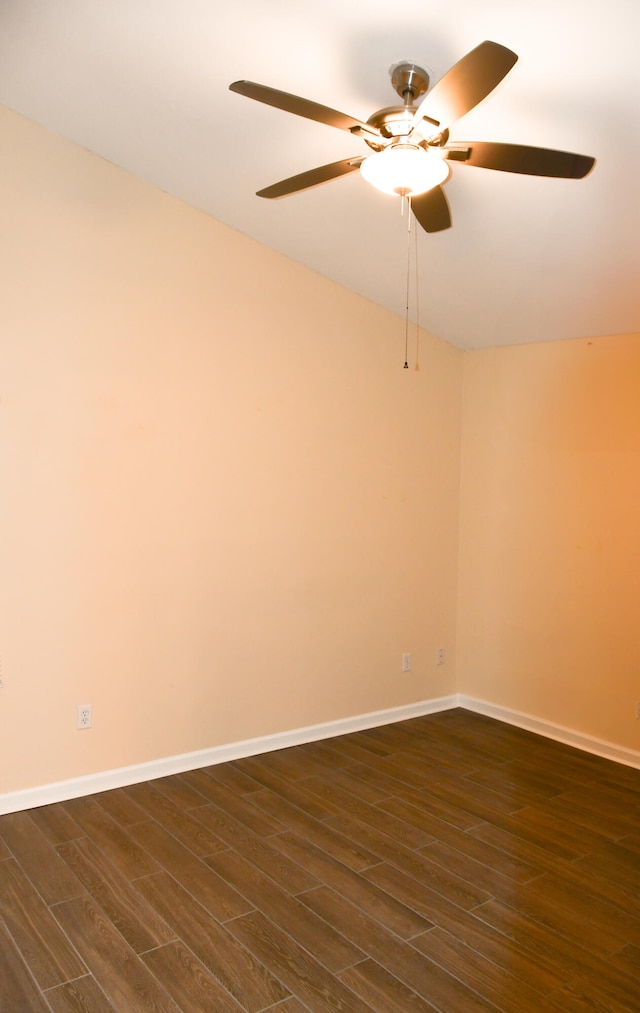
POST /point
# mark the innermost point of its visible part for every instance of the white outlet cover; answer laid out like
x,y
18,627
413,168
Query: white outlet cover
x,y
84,717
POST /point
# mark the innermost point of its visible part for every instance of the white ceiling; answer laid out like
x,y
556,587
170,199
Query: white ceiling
x,y
144,83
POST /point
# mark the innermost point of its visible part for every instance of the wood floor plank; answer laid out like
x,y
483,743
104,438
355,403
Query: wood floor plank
x,y
459,748
81,996
18,990
352,751
424,805
232,778
400,918
46,870
186,828
297,969
407,773
426,802
484,877
376,816
623,778
413,863
606,800
192,987
293,793
576,765
422,812
571,960
628,959
44,947
326,751
285,911
614,991
316,831
543,908
476,800
447,757
111,838
479,851
238,970
507,992
379,780
531,968
122,809
369,791
598,902
526,966
522,775
371,740
615,862
487,738
295,764
446,864
118,970
220,899
416,886
557,835
398,957
290,1005
368,838
264,853
382,990
517,847
180,791
121,902
55,824
630,842
574,998
240,807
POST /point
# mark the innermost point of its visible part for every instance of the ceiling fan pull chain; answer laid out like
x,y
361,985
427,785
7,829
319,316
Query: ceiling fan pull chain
x,y
406,313
417,365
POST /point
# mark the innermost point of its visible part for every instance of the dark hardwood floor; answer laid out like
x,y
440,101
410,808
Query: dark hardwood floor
x,y
447,863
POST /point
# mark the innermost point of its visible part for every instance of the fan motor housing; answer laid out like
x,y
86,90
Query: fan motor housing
x,y
396,121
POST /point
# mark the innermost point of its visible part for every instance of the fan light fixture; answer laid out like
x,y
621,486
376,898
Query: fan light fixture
x,y
404,169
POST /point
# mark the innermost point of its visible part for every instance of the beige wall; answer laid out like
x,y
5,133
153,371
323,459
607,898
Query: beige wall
x,y
226,508
549,590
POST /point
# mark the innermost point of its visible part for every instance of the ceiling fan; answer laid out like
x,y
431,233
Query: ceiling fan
x,y
409,142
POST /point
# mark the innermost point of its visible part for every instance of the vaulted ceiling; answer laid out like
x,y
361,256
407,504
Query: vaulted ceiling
x,y
144,84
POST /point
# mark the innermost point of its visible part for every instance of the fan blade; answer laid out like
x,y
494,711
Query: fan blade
x,y
466,84
301,107
432,210
313,177
524,159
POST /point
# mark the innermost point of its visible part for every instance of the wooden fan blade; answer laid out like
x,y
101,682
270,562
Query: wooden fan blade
x,y
466,84
524,159
301,107
313,177
432,210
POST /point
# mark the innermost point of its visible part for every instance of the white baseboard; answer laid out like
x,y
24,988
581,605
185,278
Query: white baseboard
x,y
75,787
90,784
589,744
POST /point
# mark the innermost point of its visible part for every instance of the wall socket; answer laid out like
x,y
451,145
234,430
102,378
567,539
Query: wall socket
x,y
638,711
406,662
441,656
84,716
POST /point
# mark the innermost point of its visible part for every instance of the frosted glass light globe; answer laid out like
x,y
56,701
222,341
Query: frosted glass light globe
x,y
404,169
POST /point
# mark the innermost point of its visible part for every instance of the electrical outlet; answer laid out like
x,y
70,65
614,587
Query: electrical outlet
x,y
441,657
84,716
638,711
406,662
